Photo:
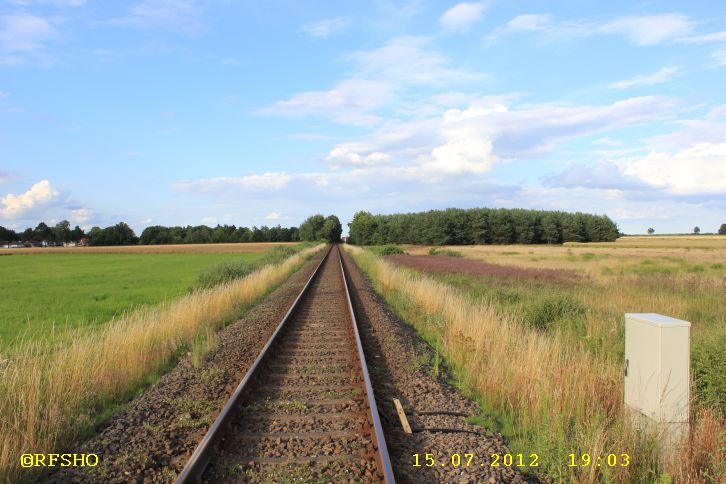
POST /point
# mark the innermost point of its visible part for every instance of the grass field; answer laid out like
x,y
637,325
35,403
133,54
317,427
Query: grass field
x,y
232,248
537,337
46,293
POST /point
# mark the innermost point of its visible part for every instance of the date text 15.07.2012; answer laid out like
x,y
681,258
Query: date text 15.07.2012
x,y
471,460
516,460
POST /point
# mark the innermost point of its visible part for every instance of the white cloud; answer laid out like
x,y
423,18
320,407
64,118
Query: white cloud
x,y
273,216
641,30
466,151
409,60
343,155
378,77
529,23
607,142
23,38
473,140
183,15
41,194
649,30
325,28
699,169
266,181
349,102
81,215
462,16
311,136
705,38
719,56
544,24
663,75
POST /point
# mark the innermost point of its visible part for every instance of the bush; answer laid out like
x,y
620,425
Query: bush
x,y
389,250
278,254
447,252
543,313
231,270
709,367
224,272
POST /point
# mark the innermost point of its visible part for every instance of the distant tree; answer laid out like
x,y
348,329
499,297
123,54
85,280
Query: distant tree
x,y
119,234
311,228
361,228
722,229
93,233
77,234
62,231
481,226
43,233
155,234
7,235
651,231
331,229
696,229
27,235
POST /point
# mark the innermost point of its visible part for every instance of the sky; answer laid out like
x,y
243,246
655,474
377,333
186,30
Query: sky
x,y
193,112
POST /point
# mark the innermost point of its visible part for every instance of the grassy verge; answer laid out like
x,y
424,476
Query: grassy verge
x,y
552,397
51,394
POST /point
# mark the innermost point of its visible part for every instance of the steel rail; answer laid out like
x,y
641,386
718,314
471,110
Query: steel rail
x,y
199,460
384,460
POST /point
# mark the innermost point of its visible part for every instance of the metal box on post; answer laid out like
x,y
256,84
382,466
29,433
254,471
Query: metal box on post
x,y
657,369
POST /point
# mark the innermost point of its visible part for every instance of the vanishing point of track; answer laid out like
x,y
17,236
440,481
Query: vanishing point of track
x,y
306,406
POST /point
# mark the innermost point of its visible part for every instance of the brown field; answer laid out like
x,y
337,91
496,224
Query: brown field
x,y
445,264
629,254
651,241
236,248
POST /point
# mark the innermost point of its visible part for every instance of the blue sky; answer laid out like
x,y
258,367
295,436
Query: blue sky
x,y
258,113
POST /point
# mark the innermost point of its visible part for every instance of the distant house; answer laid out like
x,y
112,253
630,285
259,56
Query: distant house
x,y
344,239
84,242
70,244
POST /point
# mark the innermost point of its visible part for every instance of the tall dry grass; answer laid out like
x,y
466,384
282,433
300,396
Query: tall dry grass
x,y
559,397
50,395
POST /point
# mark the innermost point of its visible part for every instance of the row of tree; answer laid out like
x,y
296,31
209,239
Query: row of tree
x,y
318,227
455,226
201,234
696,230
58,234
122,234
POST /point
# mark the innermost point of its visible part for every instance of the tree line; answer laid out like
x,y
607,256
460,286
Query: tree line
x,y
202,234
123,234
318,227
57,234
314,228
455,226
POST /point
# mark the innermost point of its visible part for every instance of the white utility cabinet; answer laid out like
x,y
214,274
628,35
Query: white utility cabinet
x,y
657,369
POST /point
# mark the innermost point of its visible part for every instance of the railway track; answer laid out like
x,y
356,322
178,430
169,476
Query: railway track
x,y
305,410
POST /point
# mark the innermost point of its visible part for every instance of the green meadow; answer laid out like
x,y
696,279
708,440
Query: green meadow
x,y
45,295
